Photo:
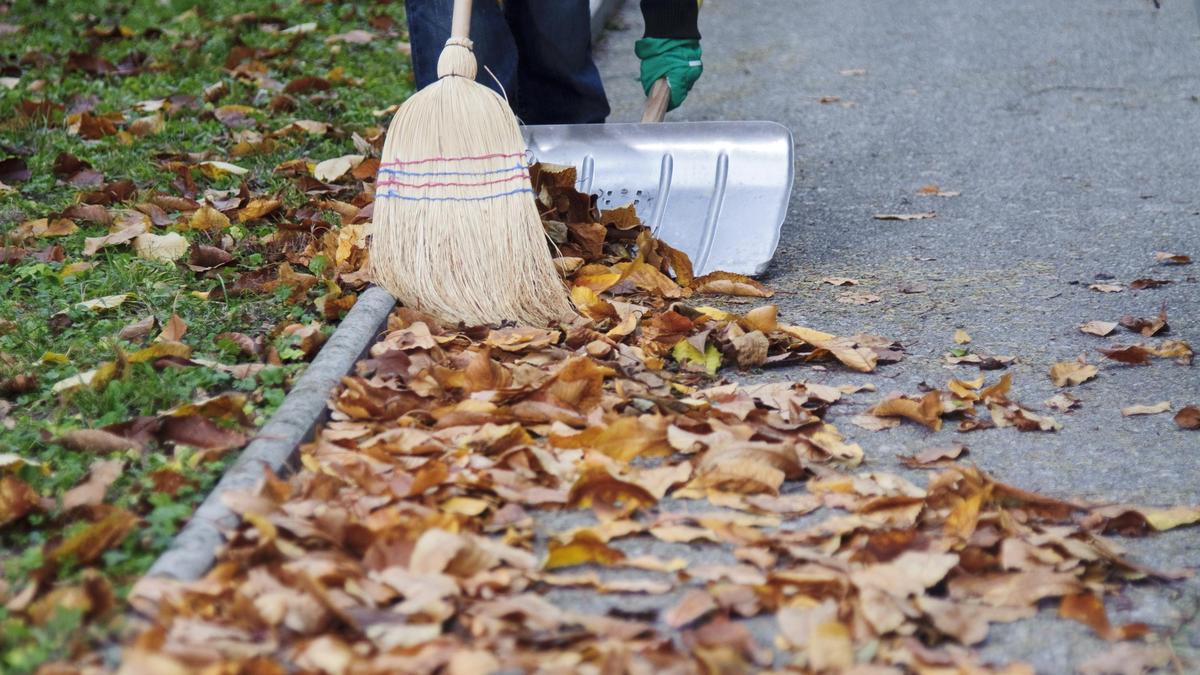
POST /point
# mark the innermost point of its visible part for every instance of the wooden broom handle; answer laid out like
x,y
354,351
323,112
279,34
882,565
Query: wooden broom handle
x,y
657,102
460,25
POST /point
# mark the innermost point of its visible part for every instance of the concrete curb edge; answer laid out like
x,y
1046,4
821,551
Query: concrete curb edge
x,y
194,549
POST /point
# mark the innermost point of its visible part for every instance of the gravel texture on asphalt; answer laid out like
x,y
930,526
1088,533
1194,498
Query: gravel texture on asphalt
x,y
1072,131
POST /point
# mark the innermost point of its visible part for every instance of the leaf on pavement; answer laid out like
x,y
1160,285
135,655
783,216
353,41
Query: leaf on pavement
x,y
1066,373
1132,355
728,283
1188,417
1100,328
583,549
1107,288
693,605
1172,258
905,216
962,337
1147,327
1154,409
926,410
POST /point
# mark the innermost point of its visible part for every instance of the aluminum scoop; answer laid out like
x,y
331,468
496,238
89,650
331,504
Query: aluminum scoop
x,y
717,191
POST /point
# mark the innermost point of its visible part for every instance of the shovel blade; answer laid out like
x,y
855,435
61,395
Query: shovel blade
x,y
717,191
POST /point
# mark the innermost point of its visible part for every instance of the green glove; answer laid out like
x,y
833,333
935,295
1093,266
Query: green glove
x,y
676,60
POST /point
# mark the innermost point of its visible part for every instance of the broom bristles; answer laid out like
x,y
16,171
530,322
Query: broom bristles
x,y
456,231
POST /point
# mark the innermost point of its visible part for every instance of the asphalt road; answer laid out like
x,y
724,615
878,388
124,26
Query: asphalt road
x,y
1072,131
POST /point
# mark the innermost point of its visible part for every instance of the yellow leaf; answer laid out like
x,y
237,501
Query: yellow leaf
x,y
54,357
107,302
208,218
216,169
961,337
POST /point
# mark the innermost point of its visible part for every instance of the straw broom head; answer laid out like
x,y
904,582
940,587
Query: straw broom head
x,y
456,230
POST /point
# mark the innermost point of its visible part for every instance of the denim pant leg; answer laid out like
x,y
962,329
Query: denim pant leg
x,y
495,48
557,79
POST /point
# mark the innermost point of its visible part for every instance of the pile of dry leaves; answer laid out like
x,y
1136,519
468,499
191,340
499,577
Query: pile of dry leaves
x,y
410,539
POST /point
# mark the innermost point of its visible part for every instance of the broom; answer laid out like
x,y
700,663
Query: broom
x,y
456,231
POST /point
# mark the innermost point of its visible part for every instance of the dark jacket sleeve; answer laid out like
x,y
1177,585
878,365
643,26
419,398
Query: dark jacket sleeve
x,y
672,19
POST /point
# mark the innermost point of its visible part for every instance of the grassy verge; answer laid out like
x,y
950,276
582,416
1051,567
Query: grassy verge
x,y
119,113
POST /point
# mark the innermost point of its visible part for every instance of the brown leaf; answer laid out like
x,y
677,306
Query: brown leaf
x,y
584,548
1128,658
126,234
727,283
86,545
839,281
1133,355
139,329
1147,327
173,330
258,208
858,298
97,440
905,216
693,605
1141,284
14,170
16,499
200,432
1188,417
1172,258
102,474
203,258
927,410
1074,372
597,488
1088,609
935,456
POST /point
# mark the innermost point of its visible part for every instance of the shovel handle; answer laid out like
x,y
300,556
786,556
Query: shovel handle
x,y
460,24
657,102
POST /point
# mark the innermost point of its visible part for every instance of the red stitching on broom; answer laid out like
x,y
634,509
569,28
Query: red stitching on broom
x,y
396,183
452,159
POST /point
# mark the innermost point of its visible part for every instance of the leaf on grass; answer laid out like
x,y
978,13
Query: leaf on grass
x,y
97,440
1074,372
106,302
330,170
207,218
259,207
173,330
166,247
125,234
86,545
728,283
927,410
103,473
16,499
1100,328
1154,409
1188,417
905,216
216,169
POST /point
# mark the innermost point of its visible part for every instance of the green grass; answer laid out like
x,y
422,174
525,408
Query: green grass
x,y
46,335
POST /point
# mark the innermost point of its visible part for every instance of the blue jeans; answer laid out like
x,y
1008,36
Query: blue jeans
x,y
539,50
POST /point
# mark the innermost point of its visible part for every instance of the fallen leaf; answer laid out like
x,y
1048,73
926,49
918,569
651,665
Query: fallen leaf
x,y
216,169
905,216
97,440
1106,288
1147,327
1133,355
1075,372
933,190
166,247
839,281
93,244
727,283
1100,328
1088,609
1160,407
330,170
1188,417
173,330
1128,658
934,456
961,337
206,218
874,423
927,410
106,302
1172,258
1062,402
857,298
103,473
583,549
16,499
1142,284
693,605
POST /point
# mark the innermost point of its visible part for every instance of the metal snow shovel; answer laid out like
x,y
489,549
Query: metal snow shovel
x,y
717,191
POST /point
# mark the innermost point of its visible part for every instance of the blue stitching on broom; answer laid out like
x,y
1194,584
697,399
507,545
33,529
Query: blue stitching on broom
x,y
401,172
396,195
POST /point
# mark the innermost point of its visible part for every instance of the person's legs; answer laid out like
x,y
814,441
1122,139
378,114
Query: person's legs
x,y
557,80
495,49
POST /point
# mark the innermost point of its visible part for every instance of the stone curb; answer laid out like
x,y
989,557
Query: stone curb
x,y
194,549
